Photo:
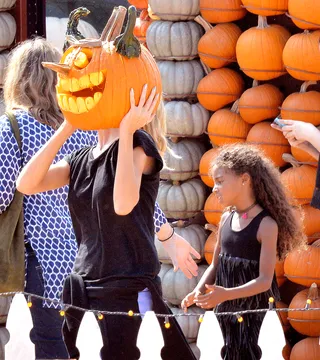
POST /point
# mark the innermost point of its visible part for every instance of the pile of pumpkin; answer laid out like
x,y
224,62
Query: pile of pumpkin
x,y
204,69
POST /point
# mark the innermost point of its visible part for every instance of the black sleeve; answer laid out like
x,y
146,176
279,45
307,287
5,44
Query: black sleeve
x,y
71,157
144,140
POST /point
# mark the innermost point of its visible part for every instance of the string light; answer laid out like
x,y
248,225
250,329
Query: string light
x,y
100,316
200,320
29,302
308,303
240,318
62,311
167,323
271,303
130,313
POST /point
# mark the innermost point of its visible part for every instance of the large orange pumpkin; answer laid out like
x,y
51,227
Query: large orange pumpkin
x,y
219,88
205,165
261,102
94,79
311,220
140,4
270,141
213,210
283,316
301,266
279,270
306,322
303,156
306,349
266,7
217,47
305,13
303,105
227,127
259,50
217,11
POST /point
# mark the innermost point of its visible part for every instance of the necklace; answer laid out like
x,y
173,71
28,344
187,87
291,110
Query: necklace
x,y
244,213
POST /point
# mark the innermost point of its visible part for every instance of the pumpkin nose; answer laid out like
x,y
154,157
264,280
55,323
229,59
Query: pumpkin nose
x,y
61,69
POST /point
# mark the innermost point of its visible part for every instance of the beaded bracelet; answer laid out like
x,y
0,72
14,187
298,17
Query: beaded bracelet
x,y
168,237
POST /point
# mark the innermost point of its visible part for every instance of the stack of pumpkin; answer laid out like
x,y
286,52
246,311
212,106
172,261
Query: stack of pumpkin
x,y
7,36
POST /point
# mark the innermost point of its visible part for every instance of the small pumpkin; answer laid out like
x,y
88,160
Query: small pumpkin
x,y
259,50
139,4
180,79
185,119
261,102
270,141
305,13
216,11
219,88
213,210
303,105
217,47
226,126
7,4
210,243
169,40
8,30
279,270
182,160
205,165
306,322
175,286
175,10
266,7
181,201
306,349
141,26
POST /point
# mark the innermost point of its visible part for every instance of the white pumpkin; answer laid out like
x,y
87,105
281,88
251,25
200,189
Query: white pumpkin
x,y
169,40
180,79
184,119
56,30
181,201
6,4
175,10
175,285
3,65
189,324
2,104
8,29
182,160
196,236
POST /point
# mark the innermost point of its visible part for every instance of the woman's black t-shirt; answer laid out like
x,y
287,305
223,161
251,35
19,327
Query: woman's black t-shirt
x,y
110,245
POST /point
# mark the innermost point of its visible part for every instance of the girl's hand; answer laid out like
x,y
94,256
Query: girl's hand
x,y
216,295
295,131
139,116
189,300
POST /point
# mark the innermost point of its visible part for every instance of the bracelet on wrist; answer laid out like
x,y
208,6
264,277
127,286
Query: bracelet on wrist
x,y
168,238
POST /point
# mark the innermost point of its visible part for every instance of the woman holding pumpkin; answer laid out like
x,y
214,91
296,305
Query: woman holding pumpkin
x,y
257,226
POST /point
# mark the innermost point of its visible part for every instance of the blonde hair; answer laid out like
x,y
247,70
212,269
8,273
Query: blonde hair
x,y
30,86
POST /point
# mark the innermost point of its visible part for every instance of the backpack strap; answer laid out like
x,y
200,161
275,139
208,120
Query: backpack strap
x,y
15,127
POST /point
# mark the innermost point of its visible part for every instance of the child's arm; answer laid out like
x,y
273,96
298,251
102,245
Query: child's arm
x,y
267,235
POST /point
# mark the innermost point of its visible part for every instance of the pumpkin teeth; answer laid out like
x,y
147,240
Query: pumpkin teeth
x,y
78,105
96,78
85,82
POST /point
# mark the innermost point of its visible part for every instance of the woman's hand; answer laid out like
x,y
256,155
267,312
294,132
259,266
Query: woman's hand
x,y
139,116
67,128
215,296
295,131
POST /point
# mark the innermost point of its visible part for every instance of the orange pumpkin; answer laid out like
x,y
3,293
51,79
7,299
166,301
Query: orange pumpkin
x,y
219,88
283,316
301,56
140,4
301,266
227,127
306,322
217,11
266,7
270,141
279,270
286,352
259,50
303,156
261,102
306,349
210,244
205,165
95,79
217,47
303,105
213,210
141,27
305,13
311,220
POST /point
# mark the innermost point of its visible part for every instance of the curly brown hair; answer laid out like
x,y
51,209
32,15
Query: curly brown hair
x,y
268,190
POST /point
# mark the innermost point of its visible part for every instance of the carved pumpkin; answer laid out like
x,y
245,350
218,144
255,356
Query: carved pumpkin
x,y
184,119
217,47
141,26
8,30
98,75
305,13
217,11
205,165
180,79
140,4
297,53
279,270
306,322
210,243
270,141
306,349
175,10
181,201
302,265
169,40
182,163
259,50
219,88
303,105
213,210
261,102
227,127
266,7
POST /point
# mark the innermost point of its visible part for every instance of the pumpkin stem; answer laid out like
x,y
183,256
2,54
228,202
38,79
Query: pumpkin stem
x,y
313,292
235,107
255,83
127,44
176,183
306,84
200,20
210,227
180,224
174,139
262,22
205,67
291,160
114,24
